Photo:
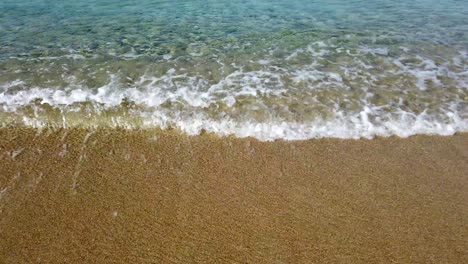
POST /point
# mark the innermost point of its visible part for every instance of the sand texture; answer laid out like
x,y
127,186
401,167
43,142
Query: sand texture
x,y
116,196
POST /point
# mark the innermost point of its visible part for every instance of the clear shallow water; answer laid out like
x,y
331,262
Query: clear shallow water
x,y
291,69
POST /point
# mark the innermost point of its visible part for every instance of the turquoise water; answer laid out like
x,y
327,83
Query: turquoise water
x,y
292,69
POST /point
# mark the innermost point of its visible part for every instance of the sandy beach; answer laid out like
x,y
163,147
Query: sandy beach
x,y
117,196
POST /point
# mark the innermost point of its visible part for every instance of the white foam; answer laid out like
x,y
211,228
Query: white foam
x,y
357,125
195,94
383,51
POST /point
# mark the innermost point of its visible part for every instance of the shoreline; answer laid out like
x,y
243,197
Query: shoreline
x,y
112,195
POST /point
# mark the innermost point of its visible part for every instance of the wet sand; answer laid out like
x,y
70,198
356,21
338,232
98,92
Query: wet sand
x,y
115,196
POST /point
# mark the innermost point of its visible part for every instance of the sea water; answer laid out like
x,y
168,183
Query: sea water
x,y
276,69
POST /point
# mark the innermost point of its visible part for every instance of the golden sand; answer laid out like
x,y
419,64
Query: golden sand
x,y
116,196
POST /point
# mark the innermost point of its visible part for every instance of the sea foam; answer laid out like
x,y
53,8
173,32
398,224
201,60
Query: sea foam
x,y
320,90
